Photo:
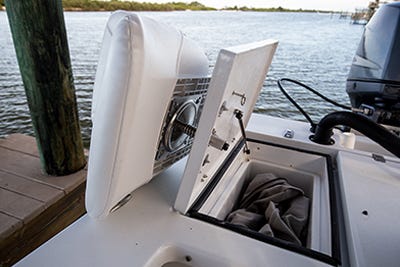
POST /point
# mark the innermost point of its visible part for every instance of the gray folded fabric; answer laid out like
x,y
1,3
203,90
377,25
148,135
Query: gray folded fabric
x,y
279,227
264,188
271,206
266,230
296,217
247,219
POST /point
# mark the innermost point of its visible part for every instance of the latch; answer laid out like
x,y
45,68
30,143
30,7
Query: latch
x,y
378,158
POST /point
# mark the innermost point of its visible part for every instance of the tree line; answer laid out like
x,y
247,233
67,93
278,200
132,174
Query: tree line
x,y
97,5
101,5
271,9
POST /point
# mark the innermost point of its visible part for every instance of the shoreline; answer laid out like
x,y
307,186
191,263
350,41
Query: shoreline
x,y
189,10
100,6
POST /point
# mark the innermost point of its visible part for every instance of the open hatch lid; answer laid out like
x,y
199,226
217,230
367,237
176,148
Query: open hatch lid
x,y
237,79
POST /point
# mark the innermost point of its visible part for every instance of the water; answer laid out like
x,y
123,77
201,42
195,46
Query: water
x,y
315,49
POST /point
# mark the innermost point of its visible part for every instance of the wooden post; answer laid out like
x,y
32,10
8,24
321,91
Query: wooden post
x,y
40,41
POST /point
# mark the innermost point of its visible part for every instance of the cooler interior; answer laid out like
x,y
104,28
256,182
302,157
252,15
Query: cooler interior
x,y
303,170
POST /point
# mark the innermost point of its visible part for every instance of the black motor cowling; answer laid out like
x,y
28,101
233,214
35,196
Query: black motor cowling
x,y
373,83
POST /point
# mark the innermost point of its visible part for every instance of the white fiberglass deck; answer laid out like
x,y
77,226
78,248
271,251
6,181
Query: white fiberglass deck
x,y
148,232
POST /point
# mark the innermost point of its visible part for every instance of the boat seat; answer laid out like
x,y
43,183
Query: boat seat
x,y
140,63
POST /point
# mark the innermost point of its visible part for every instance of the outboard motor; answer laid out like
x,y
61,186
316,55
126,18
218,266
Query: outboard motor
x,y
373,84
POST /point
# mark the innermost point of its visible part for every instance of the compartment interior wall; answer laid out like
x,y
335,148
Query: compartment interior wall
x,y
303,170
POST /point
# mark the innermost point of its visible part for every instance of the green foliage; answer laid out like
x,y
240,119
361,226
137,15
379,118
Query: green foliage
x,y
97,5
271,9
112,5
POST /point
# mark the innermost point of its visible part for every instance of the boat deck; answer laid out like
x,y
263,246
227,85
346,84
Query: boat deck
x,y
33,206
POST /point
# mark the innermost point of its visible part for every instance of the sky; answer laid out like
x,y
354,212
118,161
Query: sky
x,y
336,5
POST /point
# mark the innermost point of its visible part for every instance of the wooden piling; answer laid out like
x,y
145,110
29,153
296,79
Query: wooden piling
x,y
40,41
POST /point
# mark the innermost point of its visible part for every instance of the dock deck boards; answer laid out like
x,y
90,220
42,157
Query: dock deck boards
x,y
33,206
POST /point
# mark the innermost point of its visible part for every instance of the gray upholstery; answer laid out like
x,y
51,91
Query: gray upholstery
x,y
271,206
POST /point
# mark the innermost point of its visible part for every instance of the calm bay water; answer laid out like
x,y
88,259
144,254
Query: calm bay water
x,y
313,48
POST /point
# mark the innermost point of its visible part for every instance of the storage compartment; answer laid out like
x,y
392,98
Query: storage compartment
x,y
303,170
223,162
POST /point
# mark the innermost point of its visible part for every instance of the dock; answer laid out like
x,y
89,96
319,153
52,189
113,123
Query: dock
x,y
33,206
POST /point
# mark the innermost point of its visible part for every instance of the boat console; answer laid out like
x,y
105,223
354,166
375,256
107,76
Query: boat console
x,y
223,161
254,190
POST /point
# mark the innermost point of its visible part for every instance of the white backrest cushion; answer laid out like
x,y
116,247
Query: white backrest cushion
x,y
140,62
